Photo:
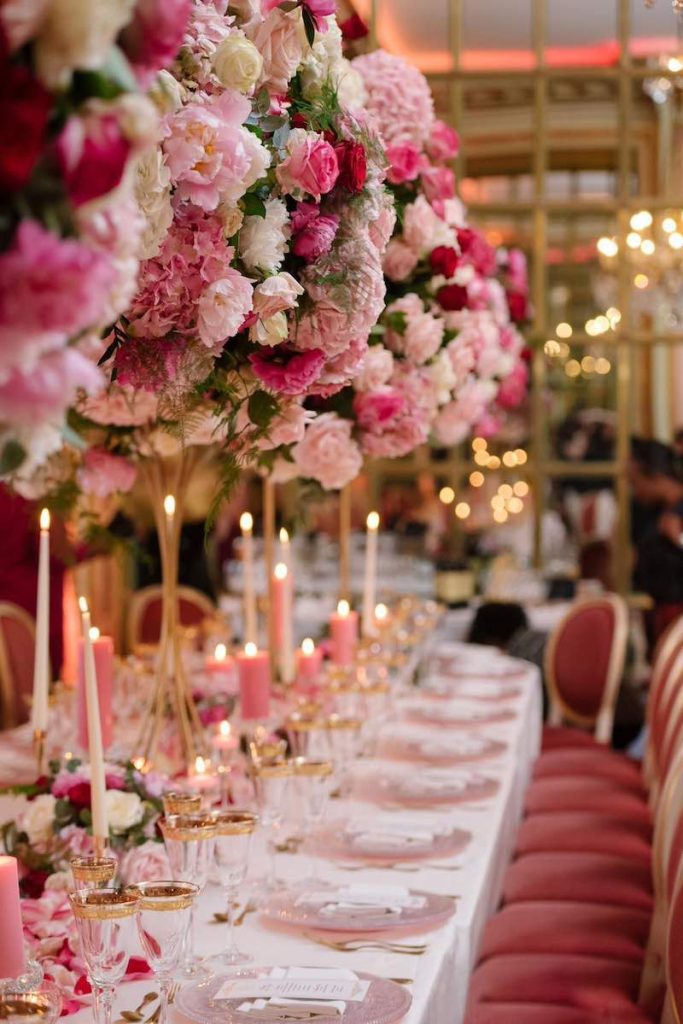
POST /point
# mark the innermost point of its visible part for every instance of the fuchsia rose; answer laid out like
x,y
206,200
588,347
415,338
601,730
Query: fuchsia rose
x,y
513,389
45,392
404,160
313,233
477,251
154,35
92,153
518,306
328,453
103,474
399,260
284,371
319,10
443,143
438,183
223,307
374,409
310,167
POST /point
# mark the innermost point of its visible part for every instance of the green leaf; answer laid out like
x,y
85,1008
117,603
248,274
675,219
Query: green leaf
x,y
396,322
254,206
261,408
309,26
11,457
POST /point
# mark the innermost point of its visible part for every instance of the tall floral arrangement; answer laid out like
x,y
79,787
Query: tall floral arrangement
x,y
73,128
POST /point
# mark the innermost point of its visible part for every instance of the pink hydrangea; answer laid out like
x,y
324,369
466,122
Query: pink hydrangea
x,y
443,143
103,474
154,34
310,167
328,453
44,392
284,371
398,97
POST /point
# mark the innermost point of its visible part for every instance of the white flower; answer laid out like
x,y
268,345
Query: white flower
x,y
276,293
167,93
237,63
38,819
263,240
443,377
324,63
153,194
271,331
124,810
77,34
350,86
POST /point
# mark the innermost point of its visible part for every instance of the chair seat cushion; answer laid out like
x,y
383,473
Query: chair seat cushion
x,y
567,928
579,877
583,833
581,981
570,793
542,1013
599,764
560,736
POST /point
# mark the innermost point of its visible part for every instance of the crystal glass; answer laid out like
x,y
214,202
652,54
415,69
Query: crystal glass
x,y
189,841
93,872
45,1004
105,919
181,803
272,791
344,739
234,830
313,783
164,916
307,734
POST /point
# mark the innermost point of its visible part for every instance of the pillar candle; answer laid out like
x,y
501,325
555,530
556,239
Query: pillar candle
x,y
201,779
343,634
224,740
41,664
253,667
103,651
282,612
309,659
221,664
12,958
370,582
250,620
100,824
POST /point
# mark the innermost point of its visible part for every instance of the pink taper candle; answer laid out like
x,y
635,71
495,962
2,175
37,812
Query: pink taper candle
x,y
282,612
254,672
12,958
343,635
103,650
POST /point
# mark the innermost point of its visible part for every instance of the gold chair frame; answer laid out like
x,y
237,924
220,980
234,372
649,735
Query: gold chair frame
x,y
8,701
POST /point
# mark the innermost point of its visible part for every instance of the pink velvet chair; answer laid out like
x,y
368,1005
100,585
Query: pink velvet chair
x,y
17,643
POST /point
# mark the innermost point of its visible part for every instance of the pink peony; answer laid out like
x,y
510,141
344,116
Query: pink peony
x,y
45,392
120,407
275,294
154,35
284,371
443,143
103,474
398,97
313,234
223,307
399,260
404,162
375,409
287,428
310,167
92,153
513,389
207,152
146,863
376,369
420,225
280,41
438,183
328,453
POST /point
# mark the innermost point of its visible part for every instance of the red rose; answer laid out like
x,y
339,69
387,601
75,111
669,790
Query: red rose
x,y
353,28
79,795
25,107
353,168
466,237
479,253
452,297
518,306
299,121
443,260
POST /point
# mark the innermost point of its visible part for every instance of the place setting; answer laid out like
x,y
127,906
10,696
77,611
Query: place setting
x,y
421,747
454,713
432,786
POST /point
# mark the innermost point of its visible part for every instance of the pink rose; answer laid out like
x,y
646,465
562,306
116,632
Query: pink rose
x,y
399,260
279,40
438,183
443,143
154,35
92,153
284,371
404,161
45,392
223,307
455,420
513,389
76,840
319,10
287,428
376,369
103,474
275,294
382,227
374,409
420,224
146,863
310,167
328,453
313,234
422,337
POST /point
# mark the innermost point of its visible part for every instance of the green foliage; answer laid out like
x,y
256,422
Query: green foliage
x,y
262,407
309,26
254,206
11,457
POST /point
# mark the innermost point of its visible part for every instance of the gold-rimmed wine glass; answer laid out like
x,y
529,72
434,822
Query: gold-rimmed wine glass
x,y
189,841
271,782
93,872
105,919
234,830
343,733
177,802
313,784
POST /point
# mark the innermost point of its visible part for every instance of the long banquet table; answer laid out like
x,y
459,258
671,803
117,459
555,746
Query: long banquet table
x,y
441,975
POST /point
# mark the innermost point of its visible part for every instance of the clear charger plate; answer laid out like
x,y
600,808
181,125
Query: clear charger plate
x,y
385,1003
291,908
428,750
447,689
333,841
435,713
415,791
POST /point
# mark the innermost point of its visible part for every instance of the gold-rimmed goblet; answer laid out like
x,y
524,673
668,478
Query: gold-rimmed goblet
x,y
344,736
177,802
93,872
272,789
163,918
105,919
307,734
234,830
313,784
189,841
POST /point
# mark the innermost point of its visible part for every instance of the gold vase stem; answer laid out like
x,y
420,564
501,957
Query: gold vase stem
x,y
269,556
345,543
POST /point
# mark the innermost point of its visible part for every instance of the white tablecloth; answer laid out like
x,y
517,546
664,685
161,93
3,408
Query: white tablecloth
x,y
441,975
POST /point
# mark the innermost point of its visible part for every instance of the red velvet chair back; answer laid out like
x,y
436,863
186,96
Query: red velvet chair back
x,y
584,663
144,623
667,726
674,955
663,683
17,644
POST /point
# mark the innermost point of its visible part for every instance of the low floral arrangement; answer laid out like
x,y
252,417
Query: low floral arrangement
x,y
54,826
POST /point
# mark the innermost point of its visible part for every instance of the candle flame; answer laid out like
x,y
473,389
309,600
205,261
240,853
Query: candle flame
x,y
45,519
200,766
251,650
94,633
373,521
246,522
284,536
169,505
221,652
343,608
307,646
224,728
83,605
280,571
381,612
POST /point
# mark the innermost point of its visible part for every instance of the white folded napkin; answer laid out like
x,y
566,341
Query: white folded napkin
x,y
364,900
277,1008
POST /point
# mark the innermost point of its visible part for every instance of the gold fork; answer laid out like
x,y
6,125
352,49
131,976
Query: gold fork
x,y
353,945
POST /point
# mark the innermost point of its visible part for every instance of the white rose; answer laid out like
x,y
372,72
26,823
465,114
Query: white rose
x,y
78,34
153,194
275,294
124,810
137,116
263,240
38,819
167,94
237,63
351,89
232,219
271,331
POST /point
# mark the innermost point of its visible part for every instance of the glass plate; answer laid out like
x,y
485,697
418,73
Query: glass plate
x,y
416,791
439,751
385,1003
439,713
290,908
447,689
333,841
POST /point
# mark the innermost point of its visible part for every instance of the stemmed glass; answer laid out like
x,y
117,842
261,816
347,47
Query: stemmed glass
x,y
272,788
344,739
164,914
312,782
93,872
189,841
234,830
105,919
